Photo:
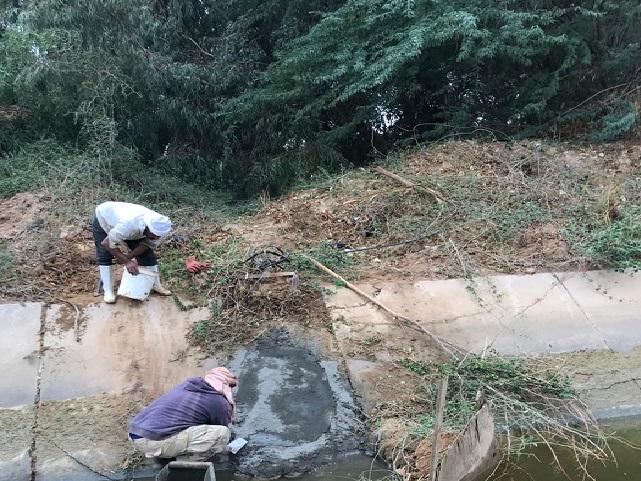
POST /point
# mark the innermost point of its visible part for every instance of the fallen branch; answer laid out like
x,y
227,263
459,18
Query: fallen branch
x,y
406,320
592,96
407,183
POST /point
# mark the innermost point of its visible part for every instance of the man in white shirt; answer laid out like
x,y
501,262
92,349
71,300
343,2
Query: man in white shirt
x,y
134,225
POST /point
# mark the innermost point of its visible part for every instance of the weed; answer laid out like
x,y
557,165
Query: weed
x,y
77,180
616,244
532,404
333,258
418,367
132,461
240,307
6,261
372,340
512,385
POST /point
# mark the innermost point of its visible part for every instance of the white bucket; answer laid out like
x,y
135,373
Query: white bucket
x,y
137,287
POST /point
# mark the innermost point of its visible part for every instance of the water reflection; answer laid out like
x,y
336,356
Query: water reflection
x,y
626,468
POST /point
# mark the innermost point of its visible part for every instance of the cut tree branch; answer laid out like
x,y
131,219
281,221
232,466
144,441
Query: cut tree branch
x,y
446,346
407,183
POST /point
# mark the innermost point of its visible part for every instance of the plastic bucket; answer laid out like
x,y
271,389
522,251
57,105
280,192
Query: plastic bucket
x,y
137,287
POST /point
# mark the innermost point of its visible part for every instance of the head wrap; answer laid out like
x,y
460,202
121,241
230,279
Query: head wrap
x,y
222,380
158,224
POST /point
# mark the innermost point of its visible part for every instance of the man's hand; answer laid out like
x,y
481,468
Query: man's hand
x,y
132,267
195,266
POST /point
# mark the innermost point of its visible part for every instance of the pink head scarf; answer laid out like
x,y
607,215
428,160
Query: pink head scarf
x,y
222,380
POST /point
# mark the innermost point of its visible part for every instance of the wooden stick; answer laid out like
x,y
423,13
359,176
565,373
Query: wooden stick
x,y
439,197
438,423
406,320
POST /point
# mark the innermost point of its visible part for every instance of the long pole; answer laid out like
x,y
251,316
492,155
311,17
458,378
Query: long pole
x,y
438,424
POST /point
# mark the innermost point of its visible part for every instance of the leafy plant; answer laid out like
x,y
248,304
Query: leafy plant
x,y
531,404
618,244
333,258
620,119
255,96
417,367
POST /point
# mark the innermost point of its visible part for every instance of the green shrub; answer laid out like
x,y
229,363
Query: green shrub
x,y
618,244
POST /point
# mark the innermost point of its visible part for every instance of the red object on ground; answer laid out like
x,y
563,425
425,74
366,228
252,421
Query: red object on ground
x,y
195,266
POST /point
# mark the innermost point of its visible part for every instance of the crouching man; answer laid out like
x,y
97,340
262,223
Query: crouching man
x,y
190,421
138,227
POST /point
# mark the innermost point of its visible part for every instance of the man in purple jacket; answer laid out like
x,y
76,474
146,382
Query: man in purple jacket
x,y
190,421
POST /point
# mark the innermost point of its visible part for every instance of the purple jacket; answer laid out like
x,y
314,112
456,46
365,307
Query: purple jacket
x,y
191,403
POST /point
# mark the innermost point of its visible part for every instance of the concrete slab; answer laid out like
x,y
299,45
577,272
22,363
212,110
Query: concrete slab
x,y
609,382
365,377
611,302
514,314
83,439
19,343
15,441
592,320
122,345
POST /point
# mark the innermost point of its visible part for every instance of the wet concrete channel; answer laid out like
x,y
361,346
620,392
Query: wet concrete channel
x,y
65,403
296,411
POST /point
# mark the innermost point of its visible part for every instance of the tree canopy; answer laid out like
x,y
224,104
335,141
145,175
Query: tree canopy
x,y
249,95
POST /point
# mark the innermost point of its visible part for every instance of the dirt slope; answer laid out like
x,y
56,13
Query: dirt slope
x,y
510,208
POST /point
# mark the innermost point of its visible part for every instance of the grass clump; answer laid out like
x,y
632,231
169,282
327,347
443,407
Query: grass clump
x,y
616,244
417,367
332,257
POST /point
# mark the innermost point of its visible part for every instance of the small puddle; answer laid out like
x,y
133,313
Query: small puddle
x,y
627,467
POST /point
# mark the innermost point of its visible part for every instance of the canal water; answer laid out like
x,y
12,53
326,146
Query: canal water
x,y
355,467
538,465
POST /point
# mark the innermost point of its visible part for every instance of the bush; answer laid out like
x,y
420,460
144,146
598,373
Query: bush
x,y
79,179
618,244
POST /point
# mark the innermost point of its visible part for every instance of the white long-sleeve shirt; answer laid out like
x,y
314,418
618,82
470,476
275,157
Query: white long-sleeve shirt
x,y
123,221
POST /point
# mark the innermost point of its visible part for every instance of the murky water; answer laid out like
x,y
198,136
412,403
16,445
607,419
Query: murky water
x,y
354,467
351,468
626,468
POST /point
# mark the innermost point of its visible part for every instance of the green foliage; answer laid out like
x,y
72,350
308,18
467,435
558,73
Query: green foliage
x,y
506,375
333,258
418,367
617,244
514,385
88,178
252,96
619,121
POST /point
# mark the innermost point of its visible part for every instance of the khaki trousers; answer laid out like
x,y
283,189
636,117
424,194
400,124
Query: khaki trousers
x,y
196,443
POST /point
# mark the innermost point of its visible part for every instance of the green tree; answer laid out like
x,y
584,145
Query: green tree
x,y
248,95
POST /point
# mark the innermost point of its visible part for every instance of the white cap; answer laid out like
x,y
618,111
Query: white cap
x,y
158,224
